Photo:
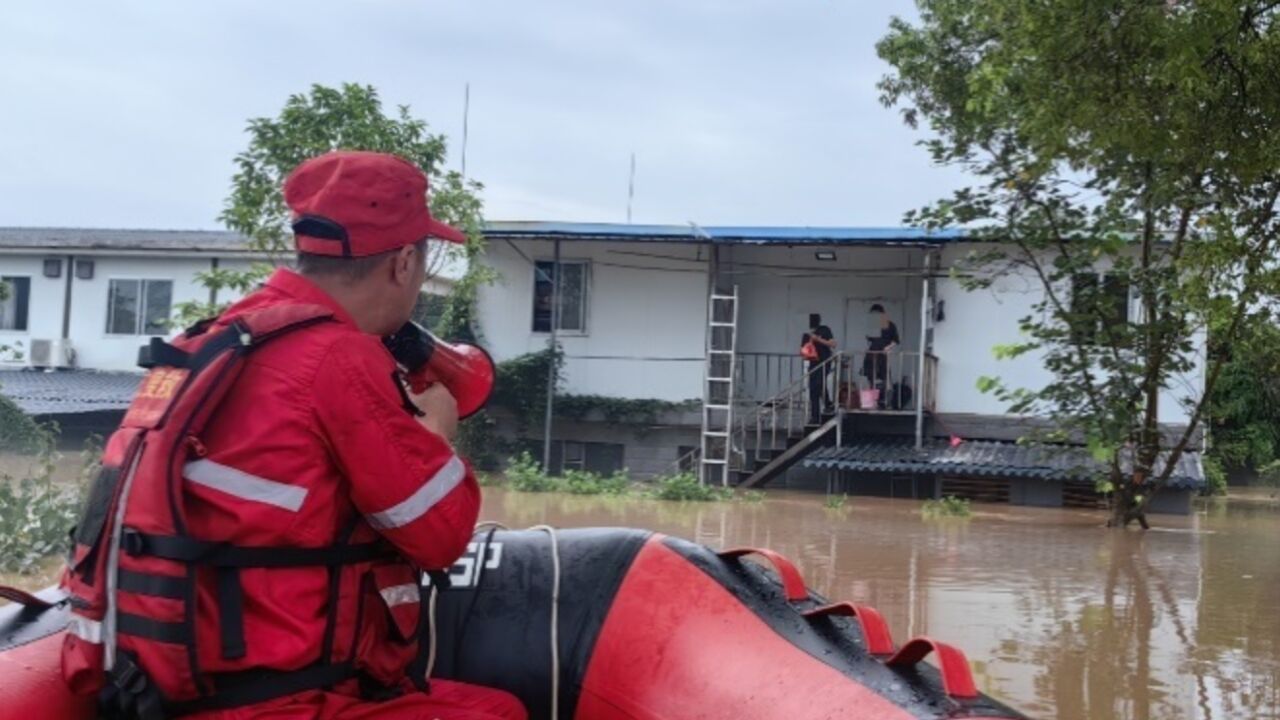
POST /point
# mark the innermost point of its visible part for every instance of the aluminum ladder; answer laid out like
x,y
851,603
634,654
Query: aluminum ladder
x,y
718,391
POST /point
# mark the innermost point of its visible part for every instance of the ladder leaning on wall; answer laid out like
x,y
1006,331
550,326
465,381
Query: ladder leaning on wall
x,y
718,389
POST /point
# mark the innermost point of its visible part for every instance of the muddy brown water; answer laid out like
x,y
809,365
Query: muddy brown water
x,y
1059,617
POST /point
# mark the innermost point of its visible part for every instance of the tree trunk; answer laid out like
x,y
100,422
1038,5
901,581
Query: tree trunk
x,y
1125,509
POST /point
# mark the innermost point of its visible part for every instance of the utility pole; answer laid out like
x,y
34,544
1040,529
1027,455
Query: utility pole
x,y
552,372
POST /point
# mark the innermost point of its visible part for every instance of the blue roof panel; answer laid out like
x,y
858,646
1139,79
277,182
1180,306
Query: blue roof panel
x,y
727,234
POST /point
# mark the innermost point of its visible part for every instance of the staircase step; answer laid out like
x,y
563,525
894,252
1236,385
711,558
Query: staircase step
x,y
766,470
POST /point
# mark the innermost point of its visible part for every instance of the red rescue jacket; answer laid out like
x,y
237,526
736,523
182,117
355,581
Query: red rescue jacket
x,y
262,516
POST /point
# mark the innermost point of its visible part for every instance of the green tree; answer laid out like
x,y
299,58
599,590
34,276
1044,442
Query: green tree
x,y
1139,140
1245,405
349,117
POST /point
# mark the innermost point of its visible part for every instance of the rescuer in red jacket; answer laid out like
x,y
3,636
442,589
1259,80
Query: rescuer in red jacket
x,y
315,445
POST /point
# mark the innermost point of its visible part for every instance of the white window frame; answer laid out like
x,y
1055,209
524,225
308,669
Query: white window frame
x,y
30,282
586,296
140,325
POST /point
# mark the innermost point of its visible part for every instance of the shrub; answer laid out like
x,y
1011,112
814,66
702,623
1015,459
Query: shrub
x,y
619,483
19,433
835,502
524,474
753,496
1269,474
949,506
579,482
1215,477
685,486
36,515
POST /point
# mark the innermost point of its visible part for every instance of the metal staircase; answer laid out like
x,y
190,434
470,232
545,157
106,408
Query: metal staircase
x,y
716,447
779,430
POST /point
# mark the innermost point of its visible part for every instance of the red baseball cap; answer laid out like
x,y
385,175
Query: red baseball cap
x,y
351,203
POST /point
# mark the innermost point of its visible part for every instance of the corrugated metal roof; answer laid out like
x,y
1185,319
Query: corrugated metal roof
x,y
983,459
727,234
68,391
135,240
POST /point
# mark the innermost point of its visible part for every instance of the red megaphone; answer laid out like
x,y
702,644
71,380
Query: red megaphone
x,y
465,369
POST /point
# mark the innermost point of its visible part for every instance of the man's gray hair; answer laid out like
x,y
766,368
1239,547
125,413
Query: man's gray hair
x,y
348,270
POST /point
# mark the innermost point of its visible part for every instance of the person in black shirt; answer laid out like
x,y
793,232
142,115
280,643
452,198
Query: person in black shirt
x,y
876,366
824,342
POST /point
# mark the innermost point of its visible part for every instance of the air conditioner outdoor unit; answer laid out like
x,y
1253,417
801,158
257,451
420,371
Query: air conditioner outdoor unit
x,y
46,354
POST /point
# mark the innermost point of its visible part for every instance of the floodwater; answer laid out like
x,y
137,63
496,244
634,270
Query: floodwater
x,y
1060,617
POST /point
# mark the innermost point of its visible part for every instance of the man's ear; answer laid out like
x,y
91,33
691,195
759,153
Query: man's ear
x,y
402,264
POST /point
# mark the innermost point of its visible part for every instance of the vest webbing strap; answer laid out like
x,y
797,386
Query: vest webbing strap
x,y
256,686
217,554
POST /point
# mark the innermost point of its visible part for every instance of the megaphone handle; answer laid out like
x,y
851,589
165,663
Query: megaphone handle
x,y
421,380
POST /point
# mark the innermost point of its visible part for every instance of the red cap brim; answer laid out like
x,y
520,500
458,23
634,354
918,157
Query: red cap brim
x,y
437,229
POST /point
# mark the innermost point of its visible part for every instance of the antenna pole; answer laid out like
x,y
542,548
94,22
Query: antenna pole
x,y
466,113
631,187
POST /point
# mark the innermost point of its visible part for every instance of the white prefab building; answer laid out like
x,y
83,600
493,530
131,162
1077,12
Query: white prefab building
x,y
714,316
86,299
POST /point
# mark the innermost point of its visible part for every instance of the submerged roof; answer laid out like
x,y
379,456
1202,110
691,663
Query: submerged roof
x,y
68,391
727,234
980,458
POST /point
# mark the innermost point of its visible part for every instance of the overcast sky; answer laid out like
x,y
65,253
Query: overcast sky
x,y
128,113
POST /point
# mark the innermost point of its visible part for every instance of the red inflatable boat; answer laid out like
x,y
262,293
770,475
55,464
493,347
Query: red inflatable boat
x,y
611,624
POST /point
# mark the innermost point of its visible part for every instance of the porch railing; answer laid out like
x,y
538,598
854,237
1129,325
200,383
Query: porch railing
x,y
773,404
896,373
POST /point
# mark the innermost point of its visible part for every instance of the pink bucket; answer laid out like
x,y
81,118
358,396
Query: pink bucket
x,y
869,398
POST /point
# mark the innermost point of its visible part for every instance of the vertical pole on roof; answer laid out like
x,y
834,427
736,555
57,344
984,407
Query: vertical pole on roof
x,y
924,340
466,116
631,187
553,368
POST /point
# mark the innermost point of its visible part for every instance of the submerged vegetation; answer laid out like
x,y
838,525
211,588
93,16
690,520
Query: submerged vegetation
x,y
949,506
836,502
524,474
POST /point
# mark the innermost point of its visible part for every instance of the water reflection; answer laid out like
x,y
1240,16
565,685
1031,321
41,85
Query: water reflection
x,y
1060,617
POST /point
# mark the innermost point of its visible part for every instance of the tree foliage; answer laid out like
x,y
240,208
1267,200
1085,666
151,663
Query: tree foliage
x,y
1245,405
349,117
1138,141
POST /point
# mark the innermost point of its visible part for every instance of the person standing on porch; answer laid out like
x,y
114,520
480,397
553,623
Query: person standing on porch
x,y
824,342
876,366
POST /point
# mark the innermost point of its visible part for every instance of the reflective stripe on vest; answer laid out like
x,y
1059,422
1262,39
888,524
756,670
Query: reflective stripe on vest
x,y
423,499
400,594
240,484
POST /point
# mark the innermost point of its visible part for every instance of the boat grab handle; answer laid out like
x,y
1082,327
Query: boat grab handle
x,y
875,631
957,680
792,582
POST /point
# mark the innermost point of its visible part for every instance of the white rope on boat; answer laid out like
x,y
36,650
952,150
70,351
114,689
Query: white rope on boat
x,y
555,619
555,612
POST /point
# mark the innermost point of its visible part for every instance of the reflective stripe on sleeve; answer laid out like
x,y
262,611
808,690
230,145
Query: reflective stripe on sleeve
x,y
423,499
85,629
240,484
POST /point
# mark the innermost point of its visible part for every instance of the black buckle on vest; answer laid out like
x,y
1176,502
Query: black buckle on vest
x,y
159,352
133,542
128,677
131,694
